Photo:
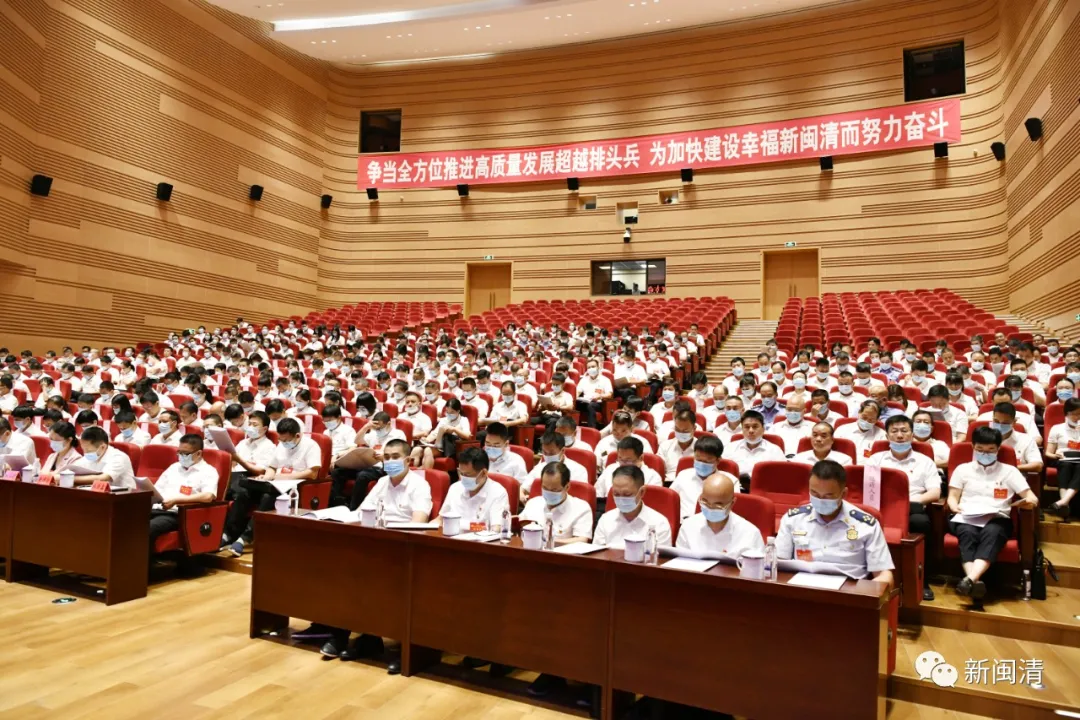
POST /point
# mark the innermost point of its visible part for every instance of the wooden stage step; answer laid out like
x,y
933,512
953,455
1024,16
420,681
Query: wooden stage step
x,y
1065,558
1052,530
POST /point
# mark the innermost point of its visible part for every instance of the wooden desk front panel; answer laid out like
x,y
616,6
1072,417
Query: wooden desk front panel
x,y
7,495
345,576
514,606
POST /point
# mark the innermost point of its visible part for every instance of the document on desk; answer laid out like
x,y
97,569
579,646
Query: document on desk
x,y
413,526
339,513
803,566
579,548
690,564
822,582
482,536
678,552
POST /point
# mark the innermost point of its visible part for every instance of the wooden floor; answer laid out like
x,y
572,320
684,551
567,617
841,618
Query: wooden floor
x,y
183,652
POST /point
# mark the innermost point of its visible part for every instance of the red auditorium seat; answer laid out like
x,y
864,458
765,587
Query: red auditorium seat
x,y
661,499
202,525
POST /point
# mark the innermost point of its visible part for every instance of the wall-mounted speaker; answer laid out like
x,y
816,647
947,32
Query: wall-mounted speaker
x,y
941,150
256,192
687,175
40,185
826,163
164,192
372,193
998,149
463,191
572,184
326,201
1034,128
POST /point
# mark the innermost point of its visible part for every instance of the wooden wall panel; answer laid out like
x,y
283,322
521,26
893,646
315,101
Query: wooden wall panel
x,y
881,221
110,97
1044,177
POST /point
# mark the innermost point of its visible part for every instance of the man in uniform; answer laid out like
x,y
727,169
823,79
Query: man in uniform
x,y
832,530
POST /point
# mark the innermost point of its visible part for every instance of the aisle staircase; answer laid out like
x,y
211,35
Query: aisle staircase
x,y
746,339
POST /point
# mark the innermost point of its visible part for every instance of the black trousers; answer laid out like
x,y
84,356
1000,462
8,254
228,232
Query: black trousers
x,y
982,543
625,393
161,522
1068,475
339,478
249,497
589,411
919,522
360,487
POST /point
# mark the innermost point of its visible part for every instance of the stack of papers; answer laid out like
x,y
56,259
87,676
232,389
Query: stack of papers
x,y
579,548
413,526
690,564
340,513
482,536
823,582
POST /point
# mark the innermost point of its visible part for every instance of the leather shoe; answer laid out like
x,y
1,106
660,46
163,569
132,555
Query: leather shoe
x,y
394,668
353,652
330,650
927,594
964,587
473,663
978,590
499,670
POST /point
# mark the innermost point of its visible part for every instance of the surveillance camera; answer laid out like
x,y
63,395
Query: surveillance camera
x,y
626,235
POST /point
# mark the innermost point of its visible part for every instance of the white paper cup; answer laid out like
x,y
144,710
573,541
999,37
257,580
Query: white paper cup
x,y
282,505
27,475
67,479
634,549
451,524
367,517
532,537
752,565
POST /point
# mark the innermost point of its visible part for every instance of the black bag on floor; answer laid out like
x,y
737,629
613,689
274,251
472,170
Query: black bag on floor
x,y
1040,568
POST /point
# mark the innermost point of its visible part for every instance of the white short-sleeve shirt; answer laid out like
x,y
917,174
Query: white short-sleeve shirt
x,y
114,463
305,456
571,518
986,490
483,511
613,528
737,536
412,494
177,482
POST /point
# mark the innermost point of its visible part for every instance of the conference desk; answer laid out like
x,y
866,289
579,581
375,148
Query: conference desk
x,y
713,640
104,535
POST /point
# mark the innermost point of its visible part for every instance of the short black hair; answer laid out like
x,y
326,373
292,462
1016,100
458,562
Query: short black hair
x,y
498,430
829,470
633,444
193,439
898,420
288,426
1005,408
753,415
986,435
710,445
631,471
559,469
95,435
474,457
938,391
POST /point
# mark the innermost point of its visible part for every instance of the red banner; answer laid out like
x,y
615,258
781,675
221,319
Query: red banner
x,y
895,128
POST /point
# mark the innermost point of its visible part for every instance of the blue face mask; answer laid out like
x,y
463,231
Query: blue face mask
x,y
794,416
468,483
493,452
824,506
289,444
1003,428
704,469
1016,395
799,383
985,459
1064,395
1075,377
714,514
394,468
626,504
552,498
900,447
669,395
768,402
91,457
864,425
732,416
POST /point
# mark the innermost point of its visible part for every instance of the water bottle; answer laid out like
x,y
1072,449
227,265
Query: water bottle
x,y
771,572
505,531
652,551
294,501
380,516
1027,584
549,533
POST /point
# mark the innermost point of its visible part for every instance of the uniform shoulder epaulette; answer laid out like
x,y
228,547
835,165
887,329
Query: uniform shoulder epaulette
x,y
799,510
863,517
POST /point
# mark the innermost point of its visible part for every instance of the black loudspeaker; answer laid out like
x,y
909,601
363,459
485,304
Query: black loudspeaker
x,y
164,192
687,175
631,220
826,163
463,190
941,150
40,185
572,184
1034,128
326,201
256,192
372,193
998,149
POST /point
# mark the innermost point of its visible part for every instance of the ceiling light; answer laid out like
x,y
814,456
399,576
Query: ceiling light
x,y
323,42
487,26
314,43
547,18
569,14
333,41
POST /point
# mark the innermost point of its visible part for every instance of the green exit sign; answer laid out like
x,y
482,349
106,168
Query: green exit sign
x,y
790,243
1078,318
489,257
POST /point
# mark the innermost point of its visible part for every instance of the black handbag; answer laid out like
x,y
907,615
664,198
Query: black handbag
x,y
1040,568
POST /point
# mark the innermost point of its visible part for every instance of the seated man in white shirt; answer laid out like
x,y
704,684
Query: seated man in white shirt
x,y
1024,411
821,447
501,459
8,401
716,529
554,450
169,430
864,432
681,445
938,396
688,483
109,464
630,516
629,451
714,413
1028,457
729,423
479,501
188,481
14,443
592,390
981,494
572,517
923,431
752,448
793,427
632,373
402,495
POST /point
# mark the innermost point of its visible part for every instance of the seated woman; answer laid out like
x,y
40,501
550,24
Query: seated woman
x,y
452,428
981,494
1065,437
62,440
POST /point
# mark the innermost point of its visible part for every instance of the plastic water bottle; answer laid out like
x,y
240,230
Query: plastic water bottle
x,y
1027,584
771,572
549,533
380,516
505,531
652,551
294,501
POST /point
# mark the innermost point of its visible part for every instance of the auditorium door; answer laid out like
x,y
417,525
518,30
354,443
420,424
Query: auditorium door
x,y
487,286
786,274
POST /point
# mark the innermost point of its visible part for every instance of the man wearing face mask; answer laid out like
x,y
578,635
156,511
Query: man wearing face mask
x,y
22,422
592,390
1028,457
981,494
629,451
553,448
768,407
188,481
716,528
688,483
864,432
832,530
738,371
108,464
631,373
630,516
680,445
715,413
940,406
729,422
478,501
14,443
169,432
501,459
923,431
1019,371
752,448
668,396
821,447
572,518
793,427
